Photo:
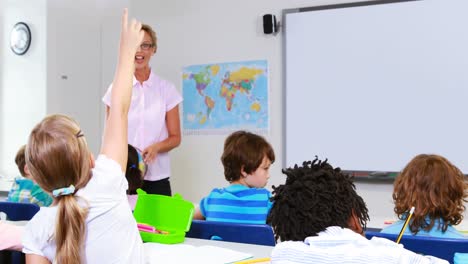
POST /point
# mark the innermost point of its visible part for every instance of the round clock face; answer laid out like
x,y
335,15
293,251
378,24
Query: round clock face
x,y
20,38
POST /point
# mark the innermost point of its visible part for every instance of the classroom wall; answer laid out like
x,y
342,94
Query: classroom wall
x,y
209,31
74,64
22,78
71,59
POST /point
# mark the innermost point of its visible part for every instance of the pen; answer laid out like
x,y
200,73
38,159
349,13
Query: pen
x,y
406,224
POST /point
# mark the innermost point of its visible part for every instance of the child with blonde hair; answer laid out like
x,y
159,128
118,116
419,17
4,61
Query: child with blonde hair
x,y
90,220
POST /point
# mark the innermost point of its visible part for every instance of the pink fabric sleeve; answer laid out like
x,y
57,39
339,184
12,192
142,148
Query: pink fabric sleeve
x,y
10,237
106,99
172,96
132,199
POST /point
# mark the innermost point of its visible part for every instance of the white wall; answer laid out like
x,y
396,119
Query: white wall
x,y
22,79
66,70
207,31
74,64
110,12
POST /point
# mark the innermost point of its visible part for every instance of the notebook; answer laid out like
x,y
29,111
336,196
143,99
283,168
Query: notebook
x,y
181,253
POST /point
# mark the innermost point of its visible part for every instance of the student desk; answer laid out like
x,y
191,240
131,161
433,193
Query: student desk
x,y
195,250
257,251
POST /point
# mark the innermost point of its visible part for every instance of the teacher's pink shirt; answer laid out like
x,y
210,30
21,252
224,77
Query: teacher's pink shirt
x,y
147,119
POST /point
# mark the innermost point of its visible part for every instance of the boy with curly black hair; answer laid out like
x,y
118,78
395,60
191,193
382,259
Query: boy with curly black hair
x,y
322,219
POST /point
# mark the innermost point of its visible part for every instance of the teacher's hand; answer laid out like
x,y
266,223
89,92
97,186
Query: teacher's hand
x,y
150,153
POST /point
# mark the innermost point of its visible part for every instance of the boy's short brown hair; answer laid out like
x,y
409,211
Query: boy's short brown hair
x,y
244,150
20,160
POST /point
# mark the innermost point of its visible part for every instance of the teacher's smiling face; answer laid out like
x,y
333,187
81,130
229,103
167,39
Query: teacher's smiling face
x,y
145,52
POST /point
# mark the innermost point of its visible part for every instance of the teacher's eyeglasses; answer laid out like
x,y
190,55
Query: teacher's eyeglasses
x,y
146,46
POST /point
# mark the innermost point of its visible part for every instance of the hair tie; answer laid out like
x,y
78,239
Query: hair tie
x,y
133,166
64,191
79,134
141,163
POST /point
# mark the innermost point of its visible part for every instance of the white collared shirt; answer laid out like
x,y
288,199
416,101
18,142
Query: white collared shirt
x,y
111,230
342,245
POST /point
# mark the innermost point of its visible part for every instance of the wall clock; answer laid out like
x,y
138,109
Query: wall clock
x,y
20,38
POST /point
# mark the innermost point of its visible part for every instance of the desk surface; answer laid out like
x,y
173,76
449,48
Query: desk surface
x,y
194,250
257,251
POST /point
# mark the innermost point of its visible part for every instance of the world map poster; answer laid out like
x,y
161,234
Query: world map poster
x,y
224,97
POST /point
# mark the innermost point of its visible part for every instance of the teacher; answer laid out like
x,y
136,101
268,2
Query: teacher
x,y
153,117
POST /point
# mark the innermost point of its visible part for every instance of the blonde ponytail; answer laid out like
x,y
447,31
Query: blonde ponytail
x,y
57,157
70,230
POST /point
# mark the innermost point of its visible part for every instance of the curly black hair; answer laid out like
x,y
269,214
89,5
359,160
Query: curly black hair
x,y
314,197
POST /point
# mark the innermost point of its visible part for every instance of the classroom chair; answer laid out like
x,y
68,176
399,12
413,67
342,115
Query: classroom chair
x,y
16,212
19,211
443,248
232,232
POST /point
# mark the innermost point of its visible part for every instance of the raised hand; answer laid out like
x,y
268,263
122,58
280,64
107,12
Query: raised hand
x,y
114,143
131,35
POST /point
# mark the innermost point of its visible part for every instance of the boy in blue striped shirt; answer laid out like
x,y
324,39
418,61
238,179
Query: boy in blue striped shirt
x,y
246,159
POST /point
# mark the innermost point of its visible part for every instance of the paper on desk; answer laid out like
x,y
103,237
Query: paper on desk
x,y
180,253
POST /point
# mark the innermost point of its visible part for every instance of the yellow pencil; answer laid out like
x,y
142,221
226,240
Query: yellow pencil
x,y
258,260
405,225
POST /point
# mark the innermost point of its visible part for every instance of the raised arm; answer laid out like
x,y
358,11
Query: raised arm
x,y
114,143
36,259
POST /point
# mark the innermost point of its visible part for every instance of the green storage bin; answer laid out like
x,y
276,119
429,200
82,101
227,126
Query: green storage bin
x,y
171,214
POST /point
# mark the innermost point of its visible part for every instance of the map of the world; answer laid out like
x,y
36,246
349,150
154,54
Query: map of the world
x,y
223,97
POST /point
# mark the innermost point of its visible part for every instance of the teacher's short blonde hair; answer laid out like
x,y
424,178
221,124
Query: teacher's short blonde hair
x,y
148,29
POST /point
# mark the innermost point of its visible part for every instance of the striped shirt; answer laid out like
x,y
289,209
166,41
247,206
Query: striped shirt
x,y
26,191
342,245
237,204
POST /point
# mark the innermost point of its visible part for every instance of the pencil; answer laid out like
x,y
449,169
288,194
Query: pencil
x,y
405,225
258,260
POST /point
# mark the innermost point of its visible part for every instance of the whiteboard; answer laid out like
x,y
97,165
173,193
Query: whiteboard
x,y
369,87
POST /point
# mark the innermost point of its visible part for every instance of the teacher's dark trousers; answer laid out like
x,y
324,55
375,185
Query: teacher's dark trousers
x,y
162,187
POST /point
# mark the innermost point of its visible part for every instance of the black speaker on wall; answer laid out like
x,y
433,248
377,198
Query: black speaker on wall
x,y
270,25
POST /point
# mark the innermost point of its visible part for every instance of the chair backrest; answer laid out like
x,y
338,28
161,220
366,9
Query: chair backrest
x,y
232,232
19,211
443,248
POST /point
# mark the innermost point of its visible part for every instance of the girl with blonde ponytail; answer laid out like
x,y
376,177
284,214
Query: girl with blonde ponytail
x,y
90,220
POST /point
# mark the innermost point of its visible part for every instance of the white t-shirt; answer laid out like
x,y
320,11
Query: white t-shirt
x,y
342,245
112,234
147,119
